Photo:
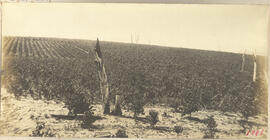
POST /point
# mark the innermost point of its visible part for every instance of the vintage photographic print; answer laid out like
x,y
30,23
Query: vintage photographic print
x,y
121,70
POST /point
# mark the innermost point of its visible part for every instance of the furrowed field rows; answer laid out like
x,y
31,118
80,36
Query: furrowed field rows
x,y
62,49
9,48
71,48
35,47
23,48
30,48
126,55
19,47
7,42
66,50
52,50
84,45
80,46
33,53
80,53
14,48
43,51
44,48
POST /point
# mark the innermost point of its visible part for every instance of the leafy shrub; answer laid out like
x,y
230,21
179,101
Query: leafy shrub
x,y
88,119
176,105
190,103
178,129
188,99
136,97
78,104
153,117
248,104
42,131
211,127
121,134
245,124
49,78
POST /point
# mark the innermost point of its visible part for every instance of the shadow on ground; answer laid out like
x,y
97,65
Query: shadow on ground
x,y
73,117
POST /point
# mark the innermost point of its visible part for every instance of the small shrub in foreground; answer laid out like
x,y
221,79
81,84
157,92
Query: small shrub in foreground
x,y
211,128
88,119
153,117
178,129
135,97
42,131
121,134
77,104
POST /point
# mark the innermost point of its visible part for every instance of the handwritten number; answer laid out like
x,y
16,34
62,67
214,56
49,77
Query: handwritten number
x,y
247,133
254,132
257,133
262,131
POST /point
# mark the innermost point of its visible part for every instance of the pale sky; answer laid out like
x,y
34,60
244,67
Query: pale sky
x,y
232,28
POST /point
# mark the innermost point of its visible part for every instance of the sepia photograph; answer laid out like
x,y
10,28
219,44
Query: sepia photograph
x,y
123,70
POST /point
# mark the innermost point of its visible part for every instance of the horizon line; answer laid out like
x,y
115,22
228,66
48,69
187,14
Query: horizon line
x,y
156,45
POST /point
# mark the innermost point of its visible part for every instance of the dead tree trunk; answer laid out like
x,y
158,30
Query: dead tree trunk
x,y
243,61
104,86
266,76
254,67
117,106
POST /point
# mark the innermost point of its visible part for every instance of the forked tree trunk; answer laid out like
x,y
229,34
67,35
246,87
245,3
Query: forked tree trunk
x,y
254,67
104,86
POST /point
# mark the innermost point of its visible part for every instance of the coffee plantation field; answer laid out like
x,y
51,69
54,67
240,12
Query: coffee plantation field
x,y
184,80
